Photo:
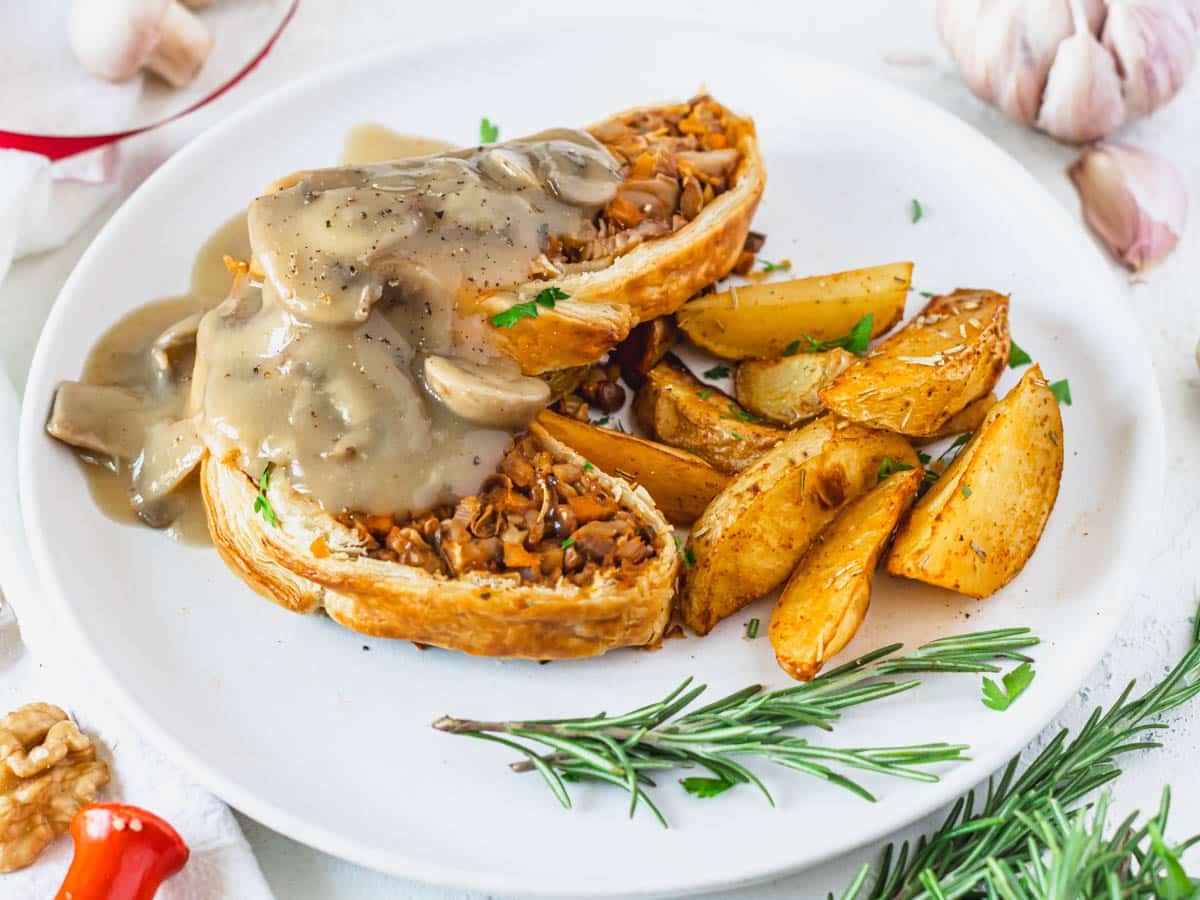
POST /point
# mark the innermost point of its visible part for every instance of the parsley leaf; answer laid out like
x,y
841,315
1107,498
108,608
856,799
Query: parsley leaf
x,y
856,341
489,131
917,212
1017,357
1062,391
717,372
924,458
587,467
891,466
689,555
792,349
752,629
529,309
966,491
742,416
262,503
705,787
603,420
704,394
515,314
1001,698
926,294
784,265
735,435
568,542
547,297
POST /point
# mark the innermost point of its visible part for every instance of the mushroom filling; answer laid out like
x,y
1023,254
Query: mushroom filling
x,y
542,519
674,162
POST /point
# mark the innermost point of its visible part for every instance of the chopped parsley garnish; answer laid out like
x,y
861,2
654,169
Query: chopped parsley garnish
x,y
1062,391
735,435
792,349
966,491
603,420
489,131
924,458
926,294
784,265
717,372
742,416
1001,698
568,542
704,394
262,504
587,467
689,555
752,629
1017,357
704,788
547,297
917,212
891,466
856,341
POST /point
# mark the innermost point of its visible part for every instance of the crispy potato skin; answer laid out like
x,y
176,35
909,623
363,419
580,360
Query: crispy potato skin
x,y
652,280
978,525
787,390
759,321
645,348
479,613
677,408
680,483
825,600
951,353
753,534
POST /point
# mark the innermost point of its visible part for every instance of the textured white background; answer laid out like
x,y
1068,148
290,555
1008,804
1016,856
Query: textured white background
x,y
873,36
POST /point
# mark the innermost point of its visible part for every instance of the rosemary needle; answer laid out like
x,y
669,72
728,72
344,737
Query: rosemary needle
x,y
623,750
1028,827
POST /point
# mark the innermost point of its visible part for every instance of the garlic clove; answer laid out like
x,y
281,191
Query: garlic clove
x,y
1005,49
1135,201
1082,101
1154,42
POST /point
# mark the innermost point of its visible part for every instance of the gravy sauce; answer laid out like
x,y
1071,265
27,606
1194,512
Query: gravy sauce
x,y
368,272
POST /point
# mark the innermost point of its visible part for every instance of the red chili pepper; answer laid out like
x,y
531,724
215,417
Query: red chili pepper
x,y
121,853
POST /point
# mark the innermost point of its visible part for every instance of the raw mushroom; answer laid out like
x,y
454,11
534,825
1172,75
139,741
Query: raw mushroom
x,y
497,395
115,39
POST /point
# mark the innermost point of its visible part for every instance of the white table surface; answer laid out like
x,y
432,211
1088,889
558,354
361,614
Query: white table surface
x,y
874,36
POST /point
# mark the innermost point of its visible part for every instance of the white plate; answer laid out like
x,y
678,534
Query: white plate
x,y
288,718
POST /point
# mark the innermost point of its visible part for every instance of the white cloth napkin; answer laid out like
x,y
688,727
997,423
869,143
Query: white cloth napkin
x,y
35,666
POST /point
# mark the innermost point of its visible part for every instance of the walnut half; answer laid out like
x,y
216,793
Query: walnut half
x,y
48,772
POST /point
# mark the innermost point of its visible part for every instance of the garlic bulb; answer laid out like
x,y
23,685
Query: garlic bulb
x,y
1135,201
1076,69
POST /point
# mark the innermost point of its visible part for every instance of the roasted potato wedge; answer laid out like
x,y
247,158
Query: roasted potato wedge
x,y
754,532
953,352
680,483
825,600
759,321
980,522
645,348
677,408
787,390
966,421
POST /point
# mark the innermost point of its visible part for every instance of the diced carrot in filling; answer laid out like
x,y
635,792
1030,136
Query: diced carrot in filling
x,y
542,519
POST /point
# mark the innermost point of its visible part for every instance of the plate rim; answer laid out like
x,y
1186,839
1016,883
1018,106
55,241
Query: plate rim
x,y
1121,583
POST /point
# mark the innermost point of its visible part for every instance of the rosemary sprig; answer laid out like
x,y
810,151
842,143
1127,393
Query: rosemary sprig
x,y
1002,848
752,722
